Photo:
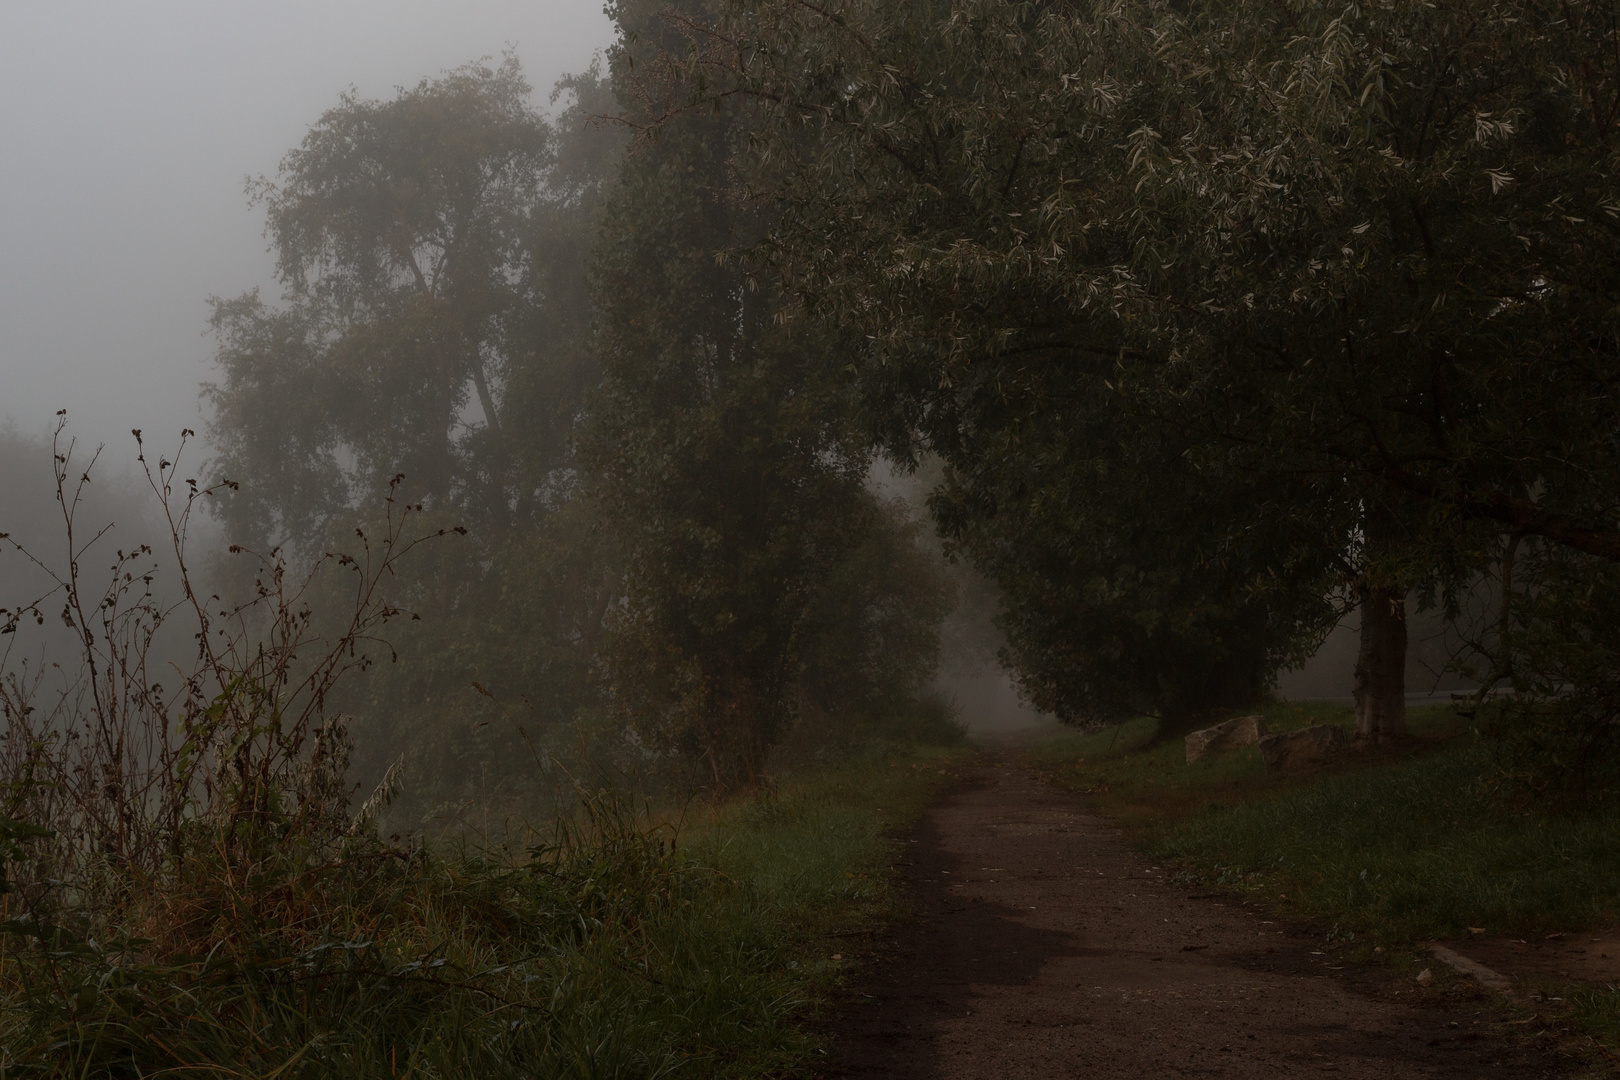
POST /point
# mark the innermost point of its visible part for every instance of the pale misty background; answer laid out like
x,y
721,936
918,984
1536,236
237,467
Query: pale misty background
x,y
126,133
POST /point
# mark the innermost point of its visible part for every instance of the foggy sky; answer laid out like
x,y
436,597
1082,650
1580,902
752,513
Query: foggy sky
x,y
126,132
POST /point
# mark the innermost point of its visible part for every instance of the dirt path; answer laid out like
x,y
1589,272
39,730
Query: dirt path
x,y
1043,948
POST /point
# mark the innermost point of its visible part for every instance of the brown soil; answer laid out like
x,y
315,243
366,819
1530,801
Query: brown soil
x,y
1558,960
1040,946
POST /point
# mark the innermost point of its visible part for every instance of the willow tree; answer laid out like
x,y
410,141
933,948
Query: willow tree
x,y
1394,226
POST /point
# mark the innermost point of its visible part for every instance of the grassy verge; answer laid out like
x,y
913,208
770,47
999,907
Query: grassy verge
x,y
1383,850
1390,847
621,948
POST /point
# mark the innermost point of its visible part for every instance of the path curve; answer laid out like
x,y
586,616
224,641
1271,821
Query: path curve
x,y
1041,947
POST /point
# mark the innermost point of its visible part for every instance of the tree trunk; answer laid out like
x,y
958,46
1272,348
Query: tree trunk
x,y
486,400
1381,666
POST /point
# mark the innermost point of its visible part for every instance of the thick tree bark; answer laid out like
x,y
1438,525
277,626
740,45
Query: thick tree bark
x,y
1381,666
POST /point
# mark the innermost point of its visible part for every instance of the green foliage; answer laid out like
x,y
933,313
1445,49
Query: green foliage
x,y
401,232
1552,654
1368,242
1395,228
1341,280
433,252
1597,1010
187,890
495,702
1137,771
870,641
434,249
1396,220
943,184
1132,582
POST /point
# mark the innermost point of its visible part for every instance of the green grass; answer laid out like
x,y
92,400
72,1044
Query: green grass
x,y
1411,850
1143,782
1389,847
623,948
1382,850
1597,1010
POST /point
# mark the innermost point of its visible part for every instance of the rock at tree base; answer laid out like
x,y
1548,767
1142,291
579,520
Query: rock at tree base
x,y
1227,735
1288,750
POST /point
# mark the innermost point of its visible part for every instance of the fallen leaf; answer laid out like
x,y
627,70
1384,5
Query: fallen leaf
x,y
1425,977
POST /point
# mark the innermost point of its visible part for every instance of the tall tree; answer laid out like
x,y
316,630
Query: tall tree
x,y
434,250
1388,237
400,230
722,442
922,161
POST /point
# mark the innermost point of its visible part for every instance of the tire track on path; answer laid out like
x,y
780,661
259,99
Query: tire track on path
x,y
1041,947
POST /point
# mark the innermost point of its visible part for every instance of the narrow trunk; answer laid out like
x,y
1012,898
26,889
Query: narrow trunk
x,y
1381,666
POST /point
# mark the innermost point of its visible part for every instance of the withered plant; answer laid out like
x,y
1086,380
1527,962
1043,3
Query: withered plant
x,y
181,725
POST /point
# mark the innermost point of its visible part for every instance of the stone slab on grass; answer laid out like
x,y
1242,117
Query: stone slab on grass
x,y
1227,735
1288,751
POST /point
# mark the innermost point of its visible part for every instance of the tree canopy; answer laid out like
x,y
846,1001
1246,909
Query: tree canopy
x,y
1220,317
1359,258
672,555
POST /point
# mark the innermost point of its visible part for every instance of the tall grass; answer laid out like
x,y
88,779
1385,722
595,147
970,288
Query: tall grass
x,y
383,963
